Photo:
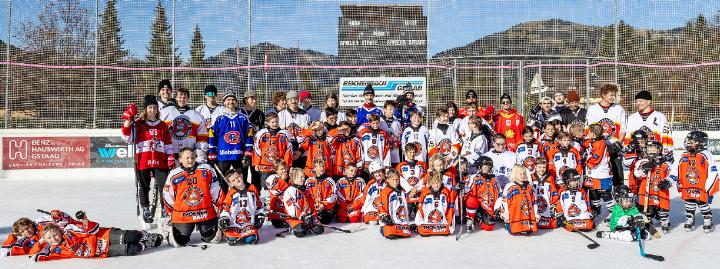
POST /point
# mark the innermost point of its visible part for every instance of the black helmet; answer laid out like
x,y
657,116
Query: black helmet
x,y
571,175
699,137
639,135
484,160
621,193
655,144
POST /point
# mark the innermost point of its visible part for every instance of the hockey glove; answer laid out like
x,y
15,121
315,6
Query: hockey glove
x,y
561,220
224,222
386,220
130,112
171,162
648,166
308,220
496,214
640,219
57,215
259,220
665,184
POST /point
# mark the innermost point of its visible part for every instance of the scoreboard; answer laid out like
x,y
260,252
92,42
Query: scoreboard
x,y
382,34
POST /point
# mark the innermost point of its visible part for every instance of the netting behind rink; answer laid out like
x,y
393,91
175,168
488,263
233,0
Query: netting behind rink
x,y
77,64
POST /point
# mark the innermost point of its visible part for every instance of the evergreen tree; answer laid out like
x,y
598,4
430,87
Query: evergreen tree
x,y
197,48
160,50
110,41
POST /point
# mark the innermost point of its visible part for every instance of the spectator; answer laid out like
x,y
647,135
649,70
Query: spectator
x,y
509,123
573,112
279,103
306,103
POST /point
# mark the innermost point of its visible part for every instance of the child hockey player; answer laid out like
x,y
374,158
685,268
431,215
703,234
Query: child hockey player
x,y
371,197
517,205
529,151
318,147
652,178
475,143
276,185
350,191
438,163
546,195
271,144
483,192
323,189
625,218
26,233
436,210
417,134
548,139
392,208
696,176
375,142
563,157
192,193
393,129
503,159
300,206
573,208
347,149
444,138
242,212
599,177
412,173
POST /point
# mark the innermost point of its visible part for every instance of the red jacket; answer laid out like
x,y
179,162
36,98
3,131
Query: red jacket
x,y
509,123
153,143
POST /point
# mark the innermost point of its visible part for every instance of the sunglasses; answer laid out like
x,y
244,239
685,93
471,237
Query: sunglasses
x,y
505,102
499,144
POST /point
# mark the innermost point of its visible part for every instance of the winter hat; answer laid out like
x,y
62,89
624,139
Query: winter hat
x,y
210,90
303,95
471,95
291,95
249,93
369,90
163,83
645,95
408,89
229,93
149,100
505,96
573,96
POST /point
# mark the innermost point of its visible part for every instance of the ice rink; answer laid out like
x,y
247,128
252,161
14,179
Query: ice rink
x,y
111,202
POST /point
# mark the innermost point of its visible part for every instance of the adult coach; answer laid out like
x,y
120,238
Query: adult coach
x,y
654,123
509,123
611,117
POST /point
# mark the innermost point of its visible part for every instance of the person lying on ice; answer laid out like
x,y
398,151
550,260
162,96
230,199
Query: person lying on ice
x,y
26,233
626,218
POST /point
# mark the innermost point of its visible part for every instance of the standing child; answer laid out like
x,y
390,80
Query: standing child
x,y
482,194
272,144
444,138
599,177
393,213
371,197
573,208
323,189
696,175
475,143
300,206
242,212
393,129
563,157
517,205
318,147
375,143
276,185
347,148
412,173
548,139
417,134
350,191
546,194
652,178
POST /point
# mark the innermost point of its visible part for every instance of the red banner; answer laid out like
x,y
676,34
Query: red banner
x,y
45,152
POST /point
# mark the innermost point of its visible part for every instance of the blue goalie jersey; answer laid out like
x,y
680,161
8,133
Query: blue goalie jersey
x,y
230,137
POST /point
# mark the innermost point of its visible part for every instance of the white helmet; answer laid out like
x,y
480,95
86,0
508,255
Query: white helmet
x,y
374,166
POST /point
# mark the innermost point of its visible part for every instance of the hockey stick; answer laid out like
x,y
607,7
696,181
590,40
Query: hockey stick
x,y
43,211
319,224
594,244
642,250
136,170
201,246
460,202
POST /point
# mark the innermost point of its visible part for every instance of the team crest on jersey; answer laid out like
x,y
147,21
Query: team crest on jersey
x,y
608,126
401,213
319,156
525,208
435,217
413,180
573,211
541,203
193,196
692,175
347,156
444,146
271,154
529,162
181,127
82,250
487,199
376,202
243,216
294,130
232,137
155,144
373,152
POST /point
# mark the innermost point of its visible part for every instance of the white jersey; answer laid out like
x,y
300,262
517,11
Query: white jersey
x,y
612,119
375,146
574,205
188,130
654,124
398,208
419,135
444,142
464,126
372,198
603,169
393,130
164,108
208,112
242,209
527,153
544,197
340,116
502,165
473,147
294,123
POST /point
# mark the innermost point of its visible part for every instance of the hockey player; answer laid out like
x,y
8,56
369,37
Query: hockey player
x,y
406,105
348,150
654,123
323,189
633,152
192,193
153,152
351,116
25,233
517,205
331,101
350,191
564,157
330,121
300,206
276,184
577,130
503,160
697,179
230,144
509,123
529,151
436,210
611,117
242,213
294,120
475,143
599,176
392,208
546,194
625,218
371,197
443,138
652,181
317,146
187,126
471,98
482,193
166,101
412,173
464,129
375,143
368,107
271,144
207,110
573,207
393,129
417,134
548,139
254,115
449,173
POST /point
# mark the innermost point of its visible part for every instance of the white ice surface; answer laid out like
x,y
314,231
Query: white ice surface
x,y
111,202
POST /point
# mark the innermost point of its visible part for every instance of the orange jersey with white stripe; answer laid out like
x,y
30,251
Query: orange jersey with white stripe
x,y
323,190
298,203
518,209
436,212
654,124
318,148
192,197
559,160
696,175
612,119
77,243
597,163
350,198
412,177
241,206
647,185
348,151
276,187
449,178
270,146
19,245
485,189
547,144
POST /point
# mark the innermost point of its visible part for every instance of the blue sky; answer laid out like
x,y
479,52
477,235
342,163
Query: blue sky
x,y
313,23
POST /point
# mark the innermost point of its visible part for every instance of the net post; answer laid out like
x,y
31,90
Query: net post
x,y
7,66
521,86
95,69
